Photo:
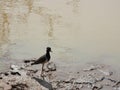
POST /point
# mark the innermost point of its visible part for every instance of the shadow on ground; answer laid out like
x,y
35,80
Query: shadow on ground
x,y
44,83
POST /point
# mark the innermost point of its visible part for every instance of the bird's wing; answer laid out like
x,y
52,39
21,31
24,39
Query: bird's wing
x,y
40,60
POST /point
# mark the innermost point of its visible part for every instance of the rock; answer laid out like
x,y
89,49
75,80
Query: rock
x,y
61,84
92,67
97,86
1,88
31,72
88,79
54,85
106,72
107,88
15,70
61,76
2,74
21,83
19,86
97,75
14,67
117,86
26,61
1,78
106,82
4,86
94,78
111,80
76,87
6,73
15,73
51,66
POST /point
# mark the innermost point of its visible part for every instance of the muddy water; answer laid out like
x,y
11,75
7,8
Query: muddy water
x,y
78,31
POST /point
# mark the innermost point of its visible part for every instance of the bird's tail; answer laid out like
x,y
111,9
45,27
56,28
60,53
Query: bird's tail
x,y
32,63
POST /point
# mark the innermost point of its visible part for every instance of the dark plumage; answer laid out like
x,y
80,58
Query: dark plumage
x,y
43,59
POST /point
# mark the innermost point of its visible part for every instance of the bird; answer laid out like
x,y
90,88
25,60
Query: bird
x,y
43,59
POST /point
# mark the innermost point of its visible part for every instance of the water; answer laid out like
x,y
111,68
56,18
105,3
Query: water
x,y
78,31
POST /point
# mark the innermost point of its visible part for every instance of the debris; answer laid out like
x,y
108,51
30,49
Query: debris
x,y
19,86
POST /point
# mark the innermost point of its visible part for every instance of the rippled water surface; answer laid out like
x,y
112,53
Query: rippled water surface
x,y
78,31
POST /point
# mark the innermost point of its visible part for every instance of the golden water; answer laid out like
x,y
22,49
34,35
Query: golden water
x,y
78,31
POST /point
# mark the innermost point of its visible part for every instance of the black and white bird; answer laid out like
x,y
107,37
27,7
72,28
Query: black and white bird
x,y
43,59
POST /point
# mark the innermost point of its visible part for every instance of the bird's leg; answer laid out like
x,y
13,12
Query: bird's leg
x,y
42,70
43,67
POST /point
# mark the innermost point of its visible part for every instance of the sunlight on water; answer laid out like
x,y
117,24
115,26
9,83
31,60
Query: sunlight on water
x,y
78,31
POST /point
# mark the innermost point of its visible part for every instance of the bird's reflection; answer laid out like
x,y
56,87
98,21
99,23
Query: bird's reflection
x,y
44,83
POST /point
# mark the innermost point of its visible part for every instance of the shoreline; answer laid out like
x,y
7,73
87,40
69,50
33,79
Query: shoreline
x,y
88,77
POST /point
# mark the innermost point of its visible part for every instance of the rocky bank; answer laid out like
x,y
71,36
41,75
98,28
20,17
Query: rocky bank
x,y
90,77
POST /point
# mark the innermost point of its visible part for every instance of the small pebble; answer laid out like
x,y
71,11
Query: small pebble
x,y
1,78
27,61
6,74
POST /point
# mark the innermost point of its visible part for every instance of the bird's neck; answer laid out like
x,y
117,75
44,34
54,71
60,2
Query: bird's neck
x,y
48,54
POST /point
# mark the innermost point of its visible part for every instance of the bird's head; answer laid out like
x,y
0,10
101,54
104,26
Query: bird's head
x,y
48,49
